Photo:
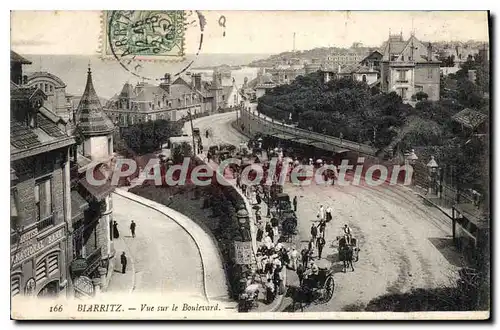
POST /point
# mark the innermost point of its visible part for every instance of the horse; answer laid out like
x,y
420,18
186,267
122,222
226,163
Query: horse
x,y
345,255
346,252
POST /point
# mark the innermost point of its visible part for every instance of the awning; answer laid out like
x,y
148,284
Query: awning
x,y
98,191
78,205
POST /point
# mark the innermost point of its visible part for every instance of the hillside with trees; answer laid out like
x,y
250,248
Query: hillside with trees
x,y
348,108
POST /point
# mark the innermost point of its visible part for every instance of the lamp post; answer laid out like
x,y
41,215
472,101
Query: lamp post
x,y
192,132
432,166
243,220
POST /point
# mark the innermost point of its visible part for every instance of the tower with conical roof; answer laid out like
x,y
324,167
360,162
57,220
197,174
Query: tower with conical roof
x,y
217,90
93,126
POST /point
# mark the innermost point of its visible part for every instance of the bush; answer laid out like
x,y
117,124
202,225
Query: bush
x,y
421,96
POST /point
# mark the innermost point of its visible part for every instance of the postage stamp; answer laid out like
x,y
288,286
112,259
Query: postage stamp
x,y
143,35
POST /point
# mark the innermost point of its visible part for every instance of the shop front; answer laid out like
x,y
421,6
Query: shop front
x,y
38,263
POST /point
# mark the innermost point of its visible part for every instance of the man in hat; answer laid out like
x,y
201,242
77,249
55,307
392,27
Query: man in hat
x,y
314,231
329,216
320,244
123,260
132,228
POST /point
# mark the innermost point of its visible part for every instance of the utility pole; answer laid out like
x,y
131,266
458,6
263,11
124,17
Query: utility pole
x,y
293,42
192,132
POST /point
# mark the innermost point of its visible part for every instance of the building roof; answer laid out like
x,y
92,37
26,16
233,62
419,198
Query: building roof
x,y
261,79
90,118
26,140
16,58
42,74
127,91
470,118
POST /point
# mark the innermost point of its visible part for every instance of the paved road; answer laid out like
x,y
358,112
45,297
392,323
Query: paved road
x,y
404,244
220,126
166,258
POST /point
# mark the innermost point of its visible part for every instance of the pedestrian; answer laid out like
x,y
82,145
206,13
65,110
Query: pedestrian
x,y
305,258
295,204
314,231
321,244
294,258
123,260
321,213
329,214
258,198
276,281
269,291
260,234
322,227
132,228
300,273
116,233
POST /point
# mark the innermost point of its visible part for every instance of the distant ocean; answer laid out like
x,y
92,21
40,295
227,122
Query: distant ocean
x,y
109,76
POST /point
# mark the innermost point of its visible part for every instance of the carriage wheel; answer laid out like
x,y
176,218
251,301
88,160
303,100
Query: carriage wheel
x,y
329,288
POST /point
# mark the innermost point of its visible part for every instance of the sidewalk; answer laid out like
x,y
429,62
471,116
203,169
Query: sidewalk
x,y
119,282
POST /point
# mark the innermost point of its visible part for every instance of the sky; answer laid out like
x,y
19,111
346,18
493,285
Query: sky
x,y
266,32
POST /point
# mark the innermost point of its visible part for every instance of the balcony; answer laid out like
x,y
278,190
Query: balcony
x,y
45,223
402,81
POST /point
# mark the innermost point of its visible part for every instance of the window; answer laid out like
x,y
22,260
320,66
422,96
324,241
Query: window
x,y
51,88
364,78
404,93
429,73
15,285
43,201
14,216
402,57
45,88
78,246
110,146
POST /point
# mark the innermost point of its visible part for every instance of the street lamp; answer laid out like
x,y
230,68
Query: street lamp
x,y
412,158
243,220
432,166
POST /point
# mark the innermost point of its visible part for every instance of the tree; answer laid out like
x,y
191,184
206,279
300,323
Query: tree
x,y
421,96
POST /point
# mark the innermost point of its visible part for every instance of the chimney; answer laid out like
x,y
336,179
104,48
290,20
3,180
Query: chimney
x,y
165,85
429,52
196,80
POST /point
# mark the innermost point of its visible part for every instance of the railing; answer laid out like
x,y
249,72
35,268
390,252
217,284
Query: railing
x,y
317,137
93,261
45,223
402,81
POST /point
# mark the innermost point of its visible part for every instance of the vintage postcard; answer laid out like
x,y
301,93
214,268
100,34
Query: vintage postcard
x,y
250,165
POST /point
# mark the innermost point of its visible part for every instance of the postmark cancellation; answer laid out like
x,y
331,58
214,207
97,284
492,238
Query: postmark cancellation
x,y
143,35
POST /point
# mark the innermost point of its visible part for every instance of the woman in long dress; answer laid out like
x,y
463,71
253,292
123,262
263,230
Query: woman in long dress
x,y
116,234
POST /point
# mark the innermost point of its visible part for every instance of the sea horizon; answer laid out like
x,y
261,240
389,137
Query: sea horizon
x,y
109,76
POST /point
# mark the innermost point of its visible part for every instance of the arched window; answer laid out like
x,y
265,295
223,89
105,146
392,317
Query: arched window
x,y
364,78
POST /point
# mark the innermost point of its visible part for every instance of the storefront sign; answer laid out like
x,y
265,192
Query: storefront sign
x,y
243,253
32,249
84,285
78,265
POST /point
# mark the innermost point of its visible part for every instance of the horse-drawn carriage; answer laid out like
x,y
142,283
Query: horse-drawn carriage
x,y
288,221
317,286
348,250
